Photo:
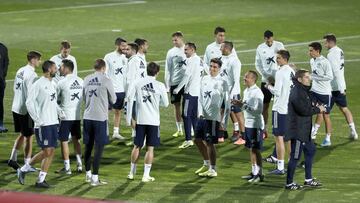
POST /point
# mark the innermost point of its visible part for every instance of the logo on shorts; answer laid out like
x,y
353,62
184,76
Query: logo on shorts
x,y
92,92
270,60
75,85
118,70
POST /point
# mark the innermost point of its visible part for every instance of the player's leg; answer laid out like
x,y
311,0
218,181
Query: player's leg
x,y
76,136
240,119
64,131
178,120
118,106
48,154
188,121
199,142
152,140
12,162
326,116
295,155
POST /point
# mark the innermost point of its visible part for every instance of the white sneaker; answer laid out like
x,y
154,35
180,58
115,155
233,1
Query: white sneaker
x,y
87,178
118,136
313,134
130,176
147,179
79,168
98,183
353,135
186,144
210,173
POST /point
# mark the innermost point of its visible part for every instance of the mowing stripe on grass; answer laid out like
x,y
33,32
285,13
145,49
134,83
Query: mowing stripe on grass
x,y
74,7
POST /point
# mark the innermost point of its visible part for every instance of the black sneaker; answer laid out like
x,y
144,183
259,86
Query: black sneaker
x,y
293,186
226,135
248,177
21,176
256,178
42,185
312,183
13,164
235,136
270,159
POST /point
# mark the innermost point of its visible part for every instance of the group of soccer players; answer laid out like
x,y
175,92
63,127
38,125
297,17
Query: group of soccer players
x,y
205,93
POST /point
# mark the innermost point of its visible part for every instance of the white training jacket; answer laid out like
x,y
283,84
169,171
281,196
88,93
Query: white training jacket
x,y
230,72
116,69
253,107
322,75
174,66
337,62
57,59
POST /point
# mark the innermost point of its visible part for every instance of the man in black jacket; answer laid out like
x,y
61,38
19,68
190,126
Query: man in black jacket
x,y
4,63
298,129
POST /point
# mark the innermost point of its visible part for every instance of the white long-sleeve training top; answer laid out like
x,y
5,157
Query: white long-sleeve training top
x,y
213,51
337,62
24,79
57,59
230,72
322,75
253,106
149,95
174,66
116,69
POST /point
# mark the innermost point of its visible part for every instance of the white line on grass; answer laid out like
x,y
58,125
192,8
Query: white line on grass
x,y
74,7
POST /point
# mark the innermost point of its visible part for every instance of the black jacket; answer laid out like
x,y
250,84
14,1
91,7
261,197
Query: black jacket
x,y
300,111
4,61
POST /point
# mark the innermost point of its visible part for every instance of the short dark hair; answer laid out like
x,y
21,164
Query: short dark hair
x,y
219,29
47,65
119,40
134,46
177,34
140,42
229,45
330,37
68,64
99,63
254,73
316,46
152,68
33,54
191,45
268,34
284,53
300,73
217,61
65,44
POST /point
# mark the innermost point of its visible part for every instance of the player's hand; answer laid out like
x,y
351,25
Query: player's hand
x,y
176,91
271,80
62,115
343,92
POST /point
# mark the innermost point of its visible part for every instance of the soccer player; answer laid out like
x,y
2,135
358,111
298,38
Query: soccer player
x,y
298,129
230,72
116,68
213,49
266,65
338,85
4,63
254,124
141,53
69,93
98,92
148,95
281,92
191,80
23,123
65,49
322,75
213,93
43,109
174,72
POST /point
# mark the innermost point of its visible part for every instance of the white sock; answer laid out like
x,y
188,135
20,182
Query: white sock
x,y
192,131
88,173
213,167
67,164
147,168
27,161
308,180
133,132
280,164
95,178
236,126
132,168
327,138
178,126
206,162
13,155
315,128
352,127
116,130
41,177
255,169
78,159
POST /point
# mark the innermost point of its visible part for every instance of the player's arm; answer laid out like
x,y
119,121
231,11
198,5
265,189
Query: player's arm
x,y
236,71
107,65
164,101
226,100
131,74
206,57
168,65
335,62
258,64
111,91
301,106
328,73
185,79
31,104
130,100
255,104
276,90
75,71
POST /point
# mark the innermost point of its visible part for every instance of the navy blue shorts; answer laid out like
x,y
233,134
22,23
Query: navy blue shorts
x,y
176,98
150,132
322,99
190,106
23,124
266,92
278,123
95,131
119,104
253,138
338,99
67,127
47,136
236,108
208,130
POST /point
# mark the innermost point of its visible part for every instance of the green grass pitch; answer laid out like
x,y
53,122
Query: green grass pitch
x,y
93,25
